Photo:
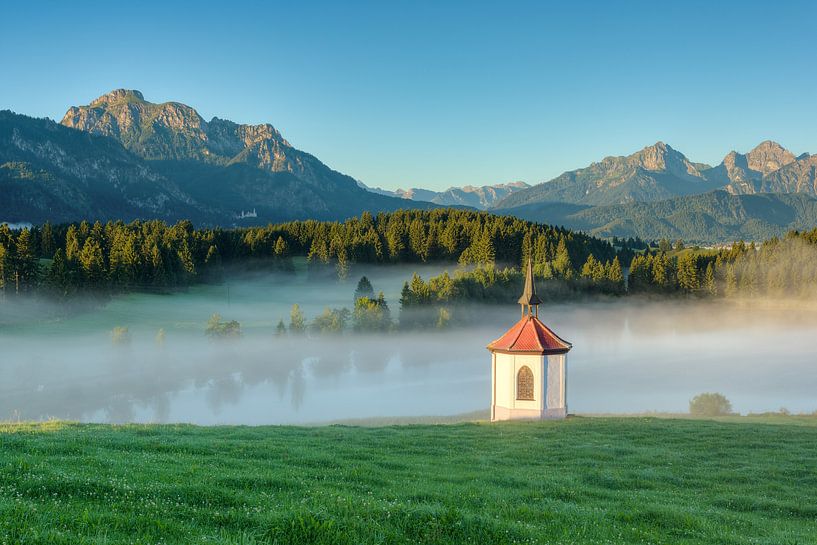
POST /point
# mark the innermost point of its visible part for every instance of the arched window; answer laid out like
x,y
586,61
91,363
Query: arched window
x,y
524,384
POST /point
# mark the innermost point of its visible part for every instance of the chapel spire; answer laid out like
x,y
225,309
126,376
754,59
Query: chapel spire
x,y
529,298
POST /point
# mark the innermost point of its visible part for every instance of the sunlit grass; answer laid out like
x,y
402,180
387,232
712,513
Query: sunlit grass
x,y
585,480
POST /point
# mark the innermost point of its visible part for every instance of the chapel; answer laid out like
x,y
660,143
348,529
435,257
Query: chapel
x,y
529,365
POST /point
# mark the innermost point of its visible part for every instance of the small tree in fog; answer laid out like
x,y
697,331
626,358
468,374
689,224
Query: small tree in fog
x,y
160,337
222,329
120,336
372,314
710,404
331,320
443,318
297,322
280,329
364,288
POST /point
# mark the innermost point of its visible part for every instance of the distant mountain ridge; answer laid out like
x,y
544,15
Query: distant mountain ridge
x,y
122,157
175,131
659,172
480,197
713,217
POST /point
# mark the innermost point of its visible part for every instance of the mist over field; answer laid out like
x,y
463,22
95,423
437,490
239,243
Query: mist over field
x,y
628,357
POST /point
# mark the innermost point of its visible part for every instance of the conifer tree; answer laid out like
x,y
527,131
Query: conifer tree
x,y
26,267
731,281
212,264
688,273
562,265
281,247
710,285
59,276
297,322
47,244
615,276
93,263
72,247
364,288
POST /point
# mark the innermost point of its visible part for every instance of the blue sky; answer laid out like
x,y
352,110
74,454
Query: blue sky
x,y
435,94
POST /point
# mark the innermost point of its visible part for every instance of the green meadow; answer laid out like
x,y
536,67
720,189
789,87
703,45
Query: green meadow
x,y
584,480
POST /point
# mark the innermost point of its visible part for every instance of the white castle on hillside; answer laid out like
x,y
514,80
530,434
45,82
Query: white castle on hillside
x,y
247,214
529,366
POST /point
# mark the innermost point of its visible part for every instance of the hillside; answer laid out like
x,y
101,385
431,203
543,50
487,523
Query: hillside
x,y
584,480
122,157
716,216
654,173
50,172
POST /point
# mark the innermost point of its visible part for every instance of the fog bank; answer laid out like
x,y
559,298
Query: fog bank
x,y
628,357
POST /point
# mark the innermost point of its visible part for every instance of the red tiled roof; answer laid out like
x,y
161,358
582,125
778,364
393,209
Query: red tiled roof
x,y
530,335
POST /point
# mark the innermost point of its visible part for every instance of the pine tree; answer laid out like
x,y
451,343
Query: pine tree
x,y
186,260
731,288
72,247
26,267
297,322
158,272
562,265
615,276
661,273
47,244
92,263
212,264
59,277
280,329
688,273
281,247
710,285
592,269
364,288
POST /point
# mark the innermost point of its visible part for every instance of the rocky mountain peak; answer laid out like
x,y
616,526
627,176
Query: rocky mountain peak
x,y
769,156
662,157
117,95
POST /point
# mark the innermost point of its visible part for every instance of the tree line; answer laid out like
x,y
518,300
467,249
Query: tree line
x,y
779,267
115,257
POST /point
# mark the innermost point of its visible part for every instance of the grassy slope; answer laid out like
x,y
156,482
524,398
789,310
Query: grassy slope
x,y
586,480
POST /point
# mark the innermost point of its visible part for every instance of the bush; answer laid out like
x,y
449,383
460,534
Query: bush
x,y
710,404
219,329
120,336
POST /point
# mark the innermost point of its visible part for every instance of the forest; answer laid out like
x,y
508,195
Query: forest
x,y
110,258
98,260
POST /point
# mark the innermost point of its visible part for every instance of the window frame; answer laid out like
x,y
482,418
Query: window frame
x,y
531,387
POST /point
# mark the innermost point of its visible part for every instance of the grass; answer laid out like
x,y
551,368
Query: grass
x,y
584,480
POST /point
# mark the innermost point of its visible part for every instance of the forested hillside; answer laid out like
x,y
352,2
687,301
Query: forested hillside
x,y
714,217
115,257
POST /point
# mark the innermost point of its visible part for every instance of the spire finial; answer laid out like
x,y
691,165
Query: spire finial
x,y
529,298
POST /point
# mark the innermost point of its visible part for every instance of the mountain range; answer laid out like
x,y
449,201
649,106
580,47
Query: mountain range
x,y
479,197
658,192
123,157
660,172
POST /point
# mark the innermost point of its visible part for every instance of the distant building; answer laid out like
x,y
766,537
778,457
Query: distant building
x,y
529,366
247,214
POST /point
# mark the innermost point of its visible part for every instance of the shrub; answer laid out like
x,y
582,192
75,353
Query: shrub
x,y
710,404
120,336
219,329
